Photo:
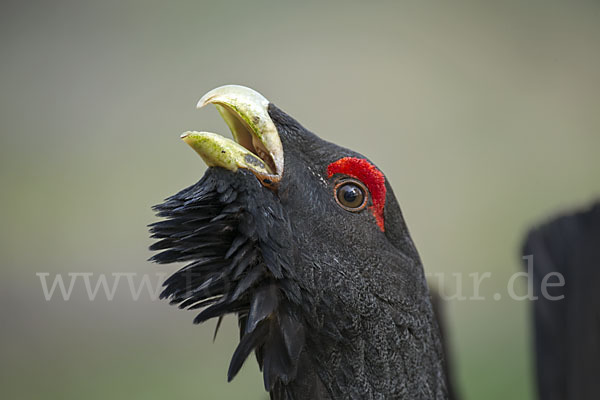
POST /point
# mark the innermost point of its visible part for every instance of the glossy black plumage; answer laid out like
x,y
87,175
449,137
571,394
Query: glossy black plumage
x,y
226,225
333,306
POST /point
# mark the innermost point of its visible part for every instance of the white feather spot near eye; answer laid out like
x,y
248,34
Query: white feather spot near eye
x,y
317,175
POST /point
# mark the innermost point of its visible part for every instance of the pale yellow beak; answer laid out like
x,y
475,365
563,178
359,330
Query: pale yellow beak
x,y
257,146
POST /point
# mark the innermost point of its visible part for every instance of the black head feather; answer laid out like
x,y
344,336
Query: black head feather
x,y
333,306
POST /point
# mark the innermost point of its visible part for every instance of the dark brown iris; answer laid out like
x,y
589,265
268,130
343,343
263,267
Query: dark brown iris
x,y
351,195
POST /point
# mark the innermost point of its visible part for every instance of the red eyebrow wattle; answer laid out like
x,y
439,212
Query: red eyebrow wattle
x,y
368,174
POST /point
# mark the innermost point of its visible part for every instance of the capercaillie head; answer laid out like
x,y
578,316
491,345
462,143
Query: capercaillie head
x,y
305,243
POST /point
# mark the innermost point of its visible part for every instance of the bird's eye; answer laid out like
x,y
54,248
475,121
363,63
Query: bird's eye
x,y
351,195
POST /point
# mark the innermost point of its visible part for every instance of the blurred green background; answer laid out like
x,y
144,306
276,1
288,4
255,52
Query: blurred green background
x,y
484,115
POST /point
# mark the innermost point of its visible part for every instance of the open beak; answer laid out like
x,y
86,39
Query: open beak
x,y
257,146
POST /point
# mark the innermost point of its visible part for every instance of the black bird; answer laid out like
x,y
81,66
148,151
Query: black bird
x,y
305,242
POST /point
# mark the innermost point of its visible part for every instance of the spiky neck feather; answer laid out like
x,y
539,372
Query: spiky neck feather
x,y
334,305
243,259
228,227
